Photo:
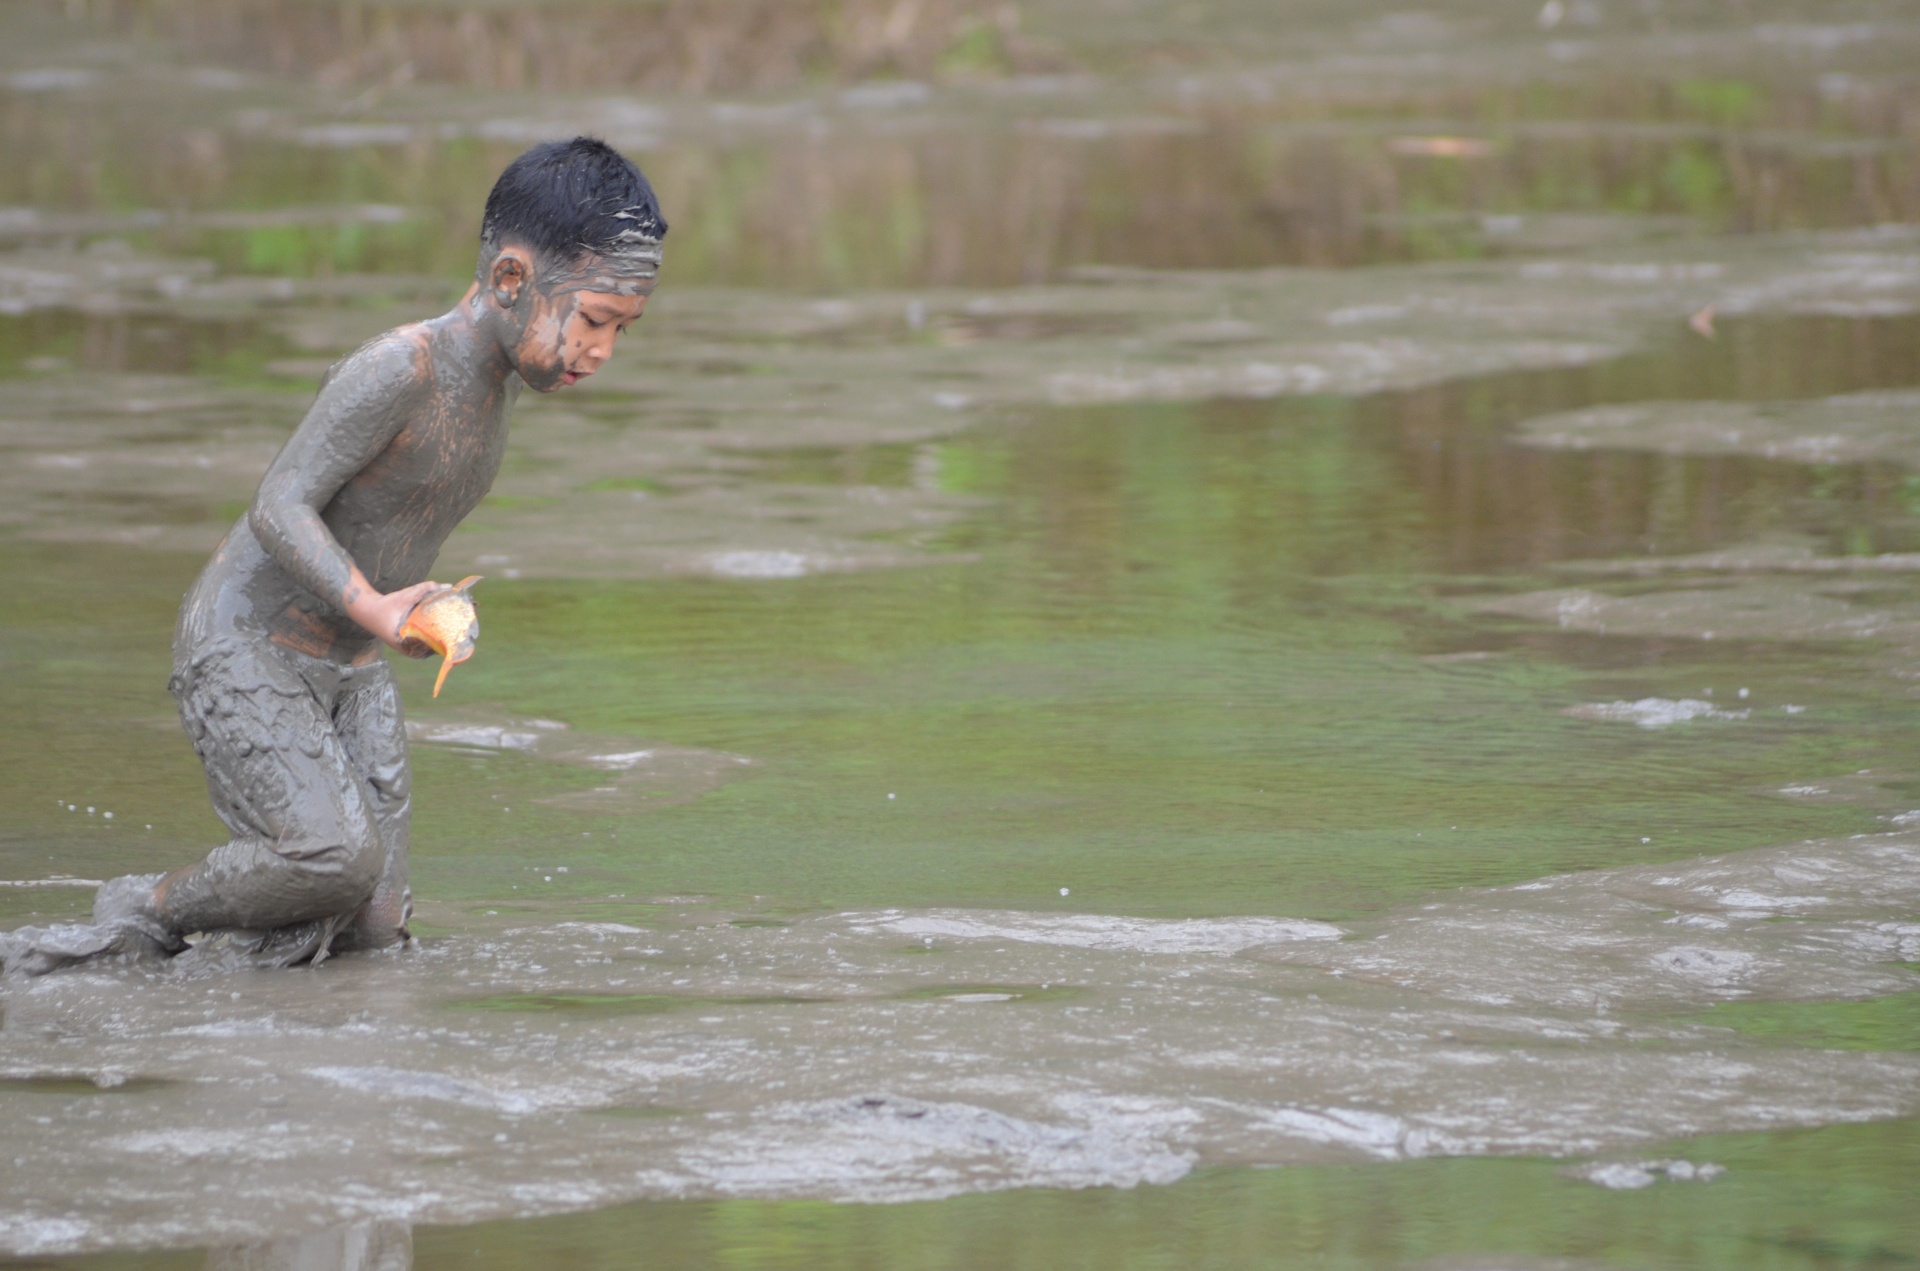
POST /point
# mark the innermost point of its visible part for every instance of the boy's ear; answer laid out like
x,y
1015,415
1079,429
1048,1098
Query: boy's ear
x,y
511,272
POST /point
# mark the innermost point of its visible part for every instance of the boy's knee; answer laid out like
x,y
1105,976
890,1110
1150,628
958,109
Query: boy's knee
x,y
365,864
343,867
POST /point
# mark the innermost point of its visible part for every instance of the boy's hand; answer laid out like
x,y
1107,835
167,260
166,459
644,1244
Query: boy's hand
x,y
384,614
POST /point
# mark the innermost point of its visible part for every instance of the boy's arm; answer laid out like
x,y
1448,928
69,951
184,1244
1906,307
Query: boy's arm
x,y
355,416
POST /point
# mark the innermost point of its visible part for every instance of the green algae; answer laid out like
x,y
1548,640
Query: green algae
x,y
1890,1023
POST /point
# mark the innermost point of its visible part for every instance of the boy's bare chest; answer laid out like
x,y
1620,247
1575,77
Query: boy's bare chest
x,y
446,455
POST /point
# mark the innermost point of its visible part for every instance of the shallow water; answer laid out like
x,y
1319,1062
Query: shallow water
x,y
322,139
1020,743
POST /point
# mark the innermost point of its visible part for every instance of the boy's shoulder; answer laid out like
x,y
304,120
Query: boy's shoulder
x,y
393,359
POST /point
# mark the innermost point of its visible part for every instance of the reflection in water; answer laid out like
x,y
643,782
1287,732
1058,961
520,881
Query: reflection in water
x,y
979,175
693,46
117,343
367,1246
1799,1200
990,204
1456,494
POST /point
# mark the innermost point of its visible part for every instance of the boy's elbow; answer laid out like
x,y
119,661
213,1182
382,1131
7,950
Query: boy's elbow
x,y
272,523
261,521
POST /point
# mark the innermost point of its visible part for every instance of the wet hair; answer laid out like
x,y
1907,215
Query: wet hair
x,y
564,199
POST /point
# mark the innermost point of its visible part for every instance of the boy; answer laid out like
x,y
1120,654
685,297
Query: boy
x,y
277,662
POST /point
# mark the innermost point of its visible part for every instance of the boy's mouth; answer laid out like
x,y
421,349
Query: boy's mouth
x,y
573,377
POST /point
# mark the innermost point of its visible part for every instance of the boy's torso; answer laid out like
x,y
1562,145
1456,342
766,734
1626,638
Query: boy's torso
x,y
392,517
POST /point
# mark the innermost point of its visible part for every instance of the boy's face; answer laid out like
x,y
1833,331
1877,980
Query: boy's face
x,y
568,331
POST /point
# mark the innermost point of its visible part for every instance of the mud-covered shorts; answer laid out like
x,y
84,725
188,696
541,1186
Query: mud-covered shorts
x,y
306,761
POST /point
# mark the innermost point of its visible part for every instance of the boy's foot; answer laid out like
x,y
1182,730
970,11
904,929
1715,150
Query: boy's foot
x,y
128,896
125,925
126,904
312,942
38,950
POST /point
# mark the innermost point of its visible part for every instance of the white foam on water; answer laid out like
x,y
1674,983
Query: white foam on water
x,y
1743,898
1637,1175
27,1235
189,1144
1374,1133
481,736
907,1054
621,761
1653,712
400,1083
1619,1176
1106,931
1708,966
887,1148
755,564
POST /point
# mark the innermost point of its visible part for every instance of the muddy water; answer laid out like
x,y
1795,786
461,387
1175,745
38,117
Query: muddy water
x,y
1020,742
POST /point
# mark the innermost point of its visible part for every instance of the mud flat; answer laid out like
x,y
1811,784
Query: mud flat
x,y
541,1067
1855,428
674,448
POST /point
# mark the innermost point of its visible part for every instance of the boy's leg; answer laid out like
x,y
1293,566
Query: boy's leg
x,y
370,724
306,844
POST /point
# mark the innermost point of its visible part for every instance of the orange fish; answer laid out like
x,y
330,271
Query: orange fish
x,y
446,622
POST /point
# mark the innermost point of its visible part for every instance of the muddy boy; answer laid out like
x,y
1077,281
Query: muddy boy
x,y
278,665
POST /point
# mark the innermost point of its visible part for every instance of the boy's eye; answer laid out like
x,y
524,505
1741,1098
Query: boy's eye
x,y
595,323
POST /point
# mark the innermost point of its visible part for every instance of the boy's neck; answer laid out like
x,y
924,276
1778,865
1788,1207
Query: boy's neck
x,y
480,329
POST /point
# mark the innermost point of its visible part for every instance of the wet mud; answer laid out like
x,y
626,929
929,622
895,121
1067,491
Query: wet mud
x,y
1858,428
481,1067
674,462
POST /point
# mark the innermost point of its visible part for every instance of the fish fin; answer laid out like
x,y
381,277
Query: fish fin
x,y
411,632
468,581
446,664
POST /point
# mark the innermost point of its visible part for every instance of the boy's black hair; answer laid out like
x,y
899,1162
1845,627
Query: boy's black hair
x,y
566,198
